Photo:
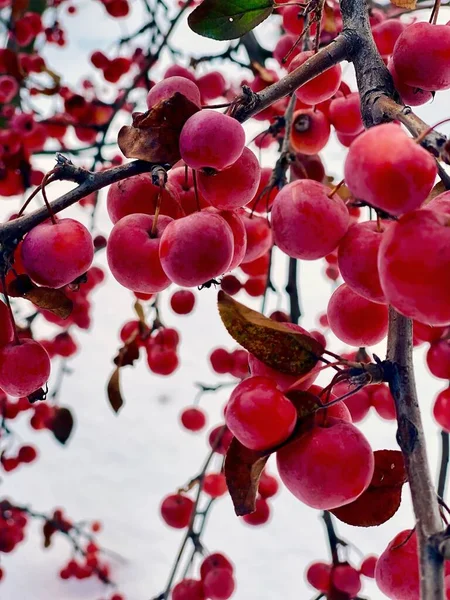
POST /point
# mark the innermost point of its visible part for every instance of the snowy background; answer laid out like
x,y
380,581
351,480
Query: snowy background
x,y
118,468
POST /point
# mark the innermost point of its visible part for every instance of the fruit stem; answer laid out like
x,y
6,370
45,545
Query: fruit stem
x,y
156,215
11,314
445,452
435,12
336,188
197,200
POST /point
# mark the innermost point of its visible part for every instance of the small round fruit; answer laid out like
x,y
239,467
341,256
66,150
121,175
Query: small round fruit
x,y
310,131
182,302
6,326
176,510
169,86
24,367
397,569
441,409
261,514
193,419
320,88
219,584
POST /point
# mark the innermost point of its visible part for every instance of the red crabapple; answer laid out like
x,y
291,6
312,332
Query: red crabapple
x,y
410,95
211,140
385,35
438,359
188,589
268,485
239,231
320,88
233,187
182,302
221,361
261,514
346,578
212,85
6,326
133,253
396,178
397,569
176,510
193,419
356,320
382,401
424,65
137,194
358,259
358,403
166,88
259,236
215,561
24,367
55,254
182,181
318,575
306,222
310,131
259,415
345,114
162,361
413,262
327,467
441,409
368,565
219,584
226,436
215,485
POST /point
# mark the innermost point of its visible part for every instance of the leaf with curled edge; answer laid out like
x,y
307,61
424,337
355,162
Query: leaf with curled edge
x,y
272,343
382,498
229,19
243,468
55,301
154,135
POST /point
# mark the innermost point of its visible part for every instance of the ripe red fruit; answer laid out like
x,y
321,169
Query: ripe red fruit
x,y
261,514
167,338
368,565
169,86
346,578
221,361
397,178
215,561
397,569
358,259
233,187
215,485
258,414
24,367
225,439
382,401
345,114
199,137
176,510
358,403
55,254
162,361
356,320
193,419
27,454
315,466
139,268
438,359
239,232
188,589
196,248
441,409
6,326
413,262
385,35
231,285
318,576
310,131
182,302
268,485
320,88
410,95
212,85
259,237
306,223
426,66
137,194
219,584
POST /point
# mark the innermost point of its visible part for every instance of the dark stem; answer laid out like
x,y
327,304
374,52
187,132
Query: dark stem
x,y
445,448
292,291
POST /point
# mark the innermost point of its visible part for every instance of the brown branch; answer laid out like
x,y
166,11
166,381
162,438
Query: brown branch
x,y
411,439
443,469
292,291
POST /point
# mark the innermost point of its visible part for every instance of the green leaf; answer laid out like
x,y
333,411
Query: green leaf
x,y
283,349
228,19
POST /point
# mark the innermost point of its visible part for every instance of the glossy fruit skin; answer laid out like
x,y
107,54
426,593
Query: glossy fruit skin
x,y
426,66
137,194
219,584
410,95
438,359
397,569
397,178
182,302
24,368
320,88
441,409
197,248
176,510
193,419
171,85
6,327
368,565
233,187
346,578
310,131
56,254
318,575
258,414
188,589
199,137
417,245
214,485
236,223
216,560
345,114
133,255
268,485
356,320
358,259
259,237
327,467
306,223
261,514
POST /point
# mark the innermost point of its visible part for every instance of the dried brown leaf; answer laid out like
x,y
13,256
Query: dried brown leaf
x,y
405,4
154,135
114,392
55,301
62,424
271,342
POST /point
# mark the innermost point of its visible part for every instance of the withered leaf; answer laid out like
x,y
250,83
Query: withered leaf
x,y
439,188
271,342
114,392
243,468
382,498
139,310
128,353
405,4
154,135
45,298
62,424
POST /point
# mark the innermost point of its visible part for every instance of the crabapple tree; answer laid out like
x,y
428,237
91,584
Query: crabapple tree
x,y
209,174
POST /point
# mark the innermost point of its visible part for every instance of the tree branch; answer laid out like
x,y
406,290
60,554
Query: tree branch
x,y
445,450
292,291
